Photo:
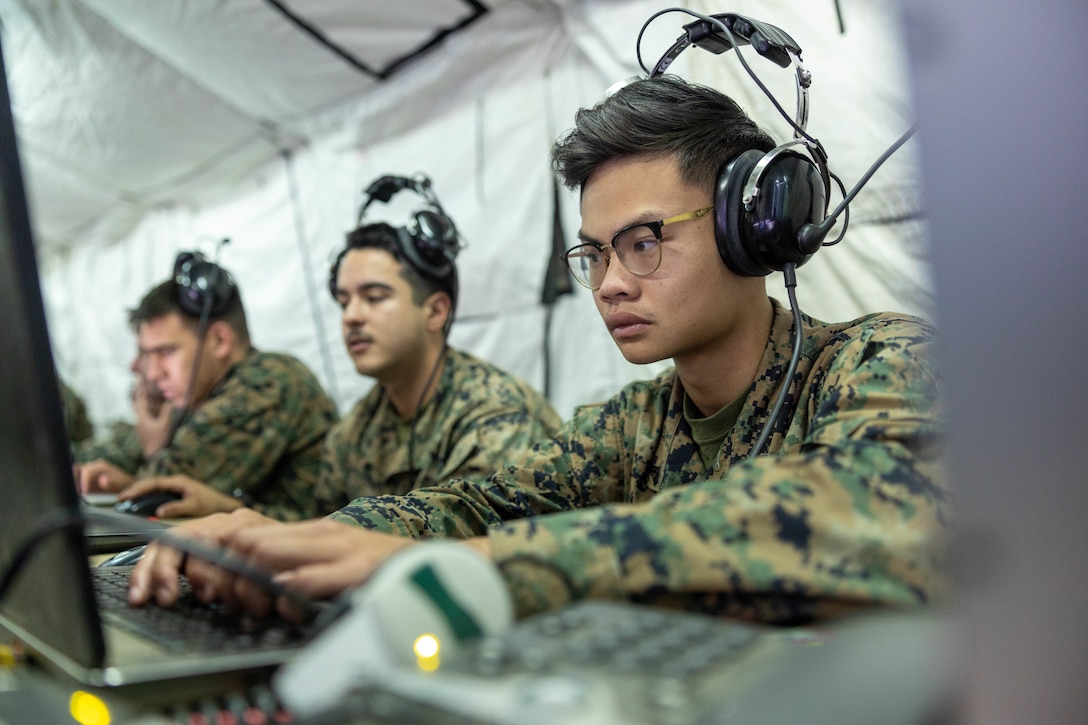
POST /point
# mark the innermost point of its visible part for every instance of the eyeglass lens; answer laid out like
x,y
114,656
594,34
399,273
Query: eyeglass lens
x,y
638,249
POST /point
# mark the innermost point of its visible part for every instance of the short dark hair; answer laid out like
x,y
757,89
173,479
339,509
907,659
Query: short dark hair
x,y
379,235
702,128
163,299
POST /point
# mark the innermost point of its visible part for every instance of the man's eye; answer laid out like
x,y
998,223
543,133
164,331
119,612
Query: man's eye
x,y
643,245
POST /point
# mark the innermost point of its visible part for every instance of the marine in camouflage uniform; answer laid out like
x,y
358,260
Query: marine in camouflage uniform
x,y
846,509
478,415
260,432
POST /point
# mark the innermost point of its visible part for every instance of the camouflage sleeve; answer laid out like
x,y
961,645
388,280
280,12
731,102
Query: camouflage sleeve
x,y
75,415
122,449
242,436
224,442
854,514
461,508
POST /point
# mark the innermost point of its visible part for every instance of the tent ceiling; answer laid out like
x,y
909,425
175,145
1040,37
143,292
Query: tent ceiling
x,y
128,103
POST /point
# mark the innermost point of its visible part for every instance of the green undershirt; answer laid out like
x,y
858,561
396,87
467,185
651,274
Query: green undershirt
x,y
709,432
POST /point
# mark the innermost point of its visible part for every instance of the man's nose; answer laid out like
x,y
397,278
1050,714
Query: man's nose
x,y
354,310
617,278
152,369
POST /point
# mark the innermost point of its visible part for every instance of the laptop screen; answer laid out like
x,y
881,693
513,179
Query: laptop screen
x,y
50,598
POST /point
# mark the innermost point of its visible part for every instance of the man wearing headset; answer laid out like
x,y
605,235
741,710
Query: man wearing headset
x,y
436,413
661,494
250,423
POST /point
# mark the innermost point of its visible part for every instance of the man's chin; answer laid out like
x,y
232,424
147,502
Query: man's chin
x,y
637,355
365,366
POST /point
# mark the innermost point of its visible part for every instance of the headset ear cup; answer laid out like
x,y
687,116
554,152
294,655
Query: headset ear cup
x,y
791,194
420,256
437,231
788,194
730,223
429,242
201,284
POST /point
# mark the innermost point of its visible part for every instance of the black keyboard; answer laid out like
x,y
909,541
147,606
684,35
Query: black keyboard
x,y
191,625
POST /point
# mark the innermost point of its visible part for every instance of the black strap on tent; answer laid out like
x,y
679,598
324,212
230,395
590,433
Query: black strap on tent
x,y
556,283
838,14
478,11
556,278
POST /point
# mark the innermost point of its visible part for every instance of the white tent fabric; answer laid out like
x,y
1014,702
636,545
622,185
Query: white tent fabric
x,y
150,128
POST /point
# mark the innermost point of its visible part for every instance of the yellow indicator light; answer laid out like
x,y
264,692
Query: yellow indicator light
x,y
88,709
426,648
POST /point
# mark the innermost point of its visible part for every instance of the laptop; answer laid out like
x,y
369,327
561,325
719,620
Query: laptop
x,y
49,602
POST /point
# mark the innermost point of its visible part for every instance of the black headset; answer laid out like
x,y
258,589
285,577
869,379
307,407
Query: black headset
x,y
430,241
765,204
204,289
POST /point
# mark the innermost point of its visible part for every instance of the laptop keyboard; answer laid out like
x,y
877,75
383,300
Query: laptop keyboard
x,y
191,625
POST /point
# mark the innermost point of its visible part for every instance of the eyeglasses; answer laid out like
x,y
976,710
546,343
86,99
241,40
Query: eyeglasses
x,y
638,247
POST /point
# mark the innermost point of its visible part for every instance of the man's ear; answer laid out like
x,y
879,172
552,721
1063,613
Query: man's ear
x,y
438,308
221,339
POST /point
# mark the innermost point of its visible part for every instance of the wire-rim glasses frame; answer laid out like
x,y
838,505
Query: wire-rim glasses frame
x,y
588,262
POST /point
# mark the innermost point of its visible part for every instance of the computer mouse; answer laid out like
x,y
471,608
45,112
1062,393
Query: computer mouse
x,y
128,557
147,504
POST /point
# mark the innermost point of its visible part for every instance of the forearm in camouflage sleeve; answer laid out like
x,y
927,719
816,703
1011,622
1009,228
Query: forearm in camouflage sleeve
x,y
855,512
772,538
463,508
459,510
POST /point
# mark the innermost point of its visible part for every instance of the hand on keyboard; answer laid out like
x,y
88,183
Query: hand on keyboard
x,y
315,559
155,577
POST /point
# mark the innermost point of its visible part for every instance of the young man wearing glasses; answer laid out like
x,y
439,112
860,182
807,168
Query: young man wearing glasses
x,y
655,495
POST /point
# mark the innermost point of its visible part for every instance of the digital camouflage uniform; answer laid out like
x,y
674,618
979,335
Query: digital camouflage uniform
x,y
260,430
75,415
122,447
479,419
848,509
